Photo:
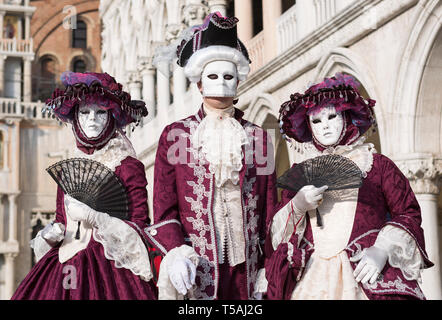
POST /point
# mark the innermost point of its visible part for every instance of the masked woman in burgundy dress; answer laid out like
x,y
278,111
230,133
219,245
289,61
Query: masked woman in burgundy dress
x,y
366,243
108,259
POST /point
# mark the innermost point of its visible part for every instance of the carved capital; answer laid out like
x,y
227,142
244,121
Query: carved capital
x,y
10,256
423,172
195,11
134,77
173,31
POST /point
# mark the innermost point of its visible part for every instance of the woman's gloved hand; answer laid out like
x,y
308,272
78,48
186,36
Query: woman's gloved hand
x,y
372,261
53,233
308,198
78,211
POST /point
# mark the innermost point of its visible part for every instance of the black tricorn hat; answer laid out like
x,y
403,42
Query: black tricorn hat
x,y
215,39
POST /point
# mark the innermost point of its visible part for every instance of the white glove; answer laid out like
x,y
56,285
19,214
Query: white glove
x,y
78,211
53,233
182,273
308,198
372,262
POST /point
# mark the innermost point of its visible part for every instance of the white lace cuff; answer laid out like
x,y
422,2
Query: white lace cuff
x,y
40,246
123,245
402,249
261,284
166,290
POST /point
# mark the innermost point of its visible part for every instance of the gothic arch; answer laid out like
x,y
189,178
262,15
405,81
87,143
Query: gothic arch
x,y
262,113
260,106
427,24
346,61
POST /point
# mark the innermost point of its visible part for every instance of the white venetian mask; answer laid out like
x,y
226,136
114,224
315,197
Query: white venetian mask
x,y
92,120
327,126
219,79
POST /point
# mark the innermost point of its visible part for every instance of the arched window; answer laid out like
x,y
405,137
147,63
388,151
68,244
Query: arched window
x,y
79,35
79,65
45,80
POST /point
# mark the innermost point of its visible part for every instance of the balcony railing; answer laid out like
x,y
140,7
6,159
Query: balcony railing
x,y
16,46
255,47
27,110
287,29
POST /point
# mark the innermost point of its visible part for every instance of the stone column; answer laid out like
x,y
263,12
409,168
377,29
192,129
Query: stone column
x,y
134,85
2,74
424,173
305,17
244,12
9,274
2,16
179,84
28,25
163,91
218,5
27,79
147,72
12,234
271,11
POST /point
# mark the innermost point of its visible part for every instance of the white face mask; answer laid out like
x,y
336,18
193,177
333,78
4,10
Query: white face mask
x,y
327,126
219,79
92,120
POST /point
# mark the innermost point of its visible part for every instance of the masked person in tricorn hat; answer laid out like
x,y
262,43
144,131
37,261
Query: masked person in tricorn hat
x,y
85,254
367,242
214,180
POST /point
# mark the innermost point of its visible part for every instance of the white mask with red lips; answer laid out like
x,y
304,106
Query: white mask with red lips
x,y
327,126
219,79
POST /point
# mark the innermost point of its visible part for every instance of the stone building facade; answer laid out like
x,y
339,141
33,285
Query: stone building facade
x,y
39,40
394,48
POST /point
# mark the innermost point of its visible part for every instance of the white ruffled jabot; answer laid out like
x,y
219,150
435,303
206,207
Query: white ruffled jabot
x,y
221,137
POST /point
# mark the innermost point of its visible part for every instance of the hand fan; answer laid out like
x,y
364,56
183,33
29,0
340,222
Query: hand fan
x,y
334,171
92,183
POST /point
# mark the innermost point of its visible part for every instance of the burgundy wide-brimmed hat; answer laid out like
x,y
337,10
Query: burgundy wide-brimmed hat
x,y
100,88
340,91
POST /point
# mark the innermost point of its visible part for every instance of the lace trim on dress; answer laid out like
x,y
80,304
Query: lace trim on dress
x,y
123,245
113,153
403,253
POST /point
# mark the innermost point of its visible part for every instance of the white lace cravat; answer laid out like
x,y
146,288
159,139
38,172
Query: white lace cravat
x,y
221,137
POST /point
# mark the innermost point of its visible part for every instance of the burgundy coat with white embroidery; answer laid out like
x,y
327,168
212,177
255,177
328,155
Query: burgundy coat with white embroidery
x,y
384,190
183,201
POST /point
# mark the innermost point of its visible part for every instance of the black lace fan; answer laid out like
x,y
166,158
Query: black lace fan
x,y
92,183
334,171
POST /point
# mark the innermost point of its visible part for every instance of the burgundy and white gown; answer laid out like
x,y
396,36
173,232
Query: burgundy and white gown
x,y
310,262
107,262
